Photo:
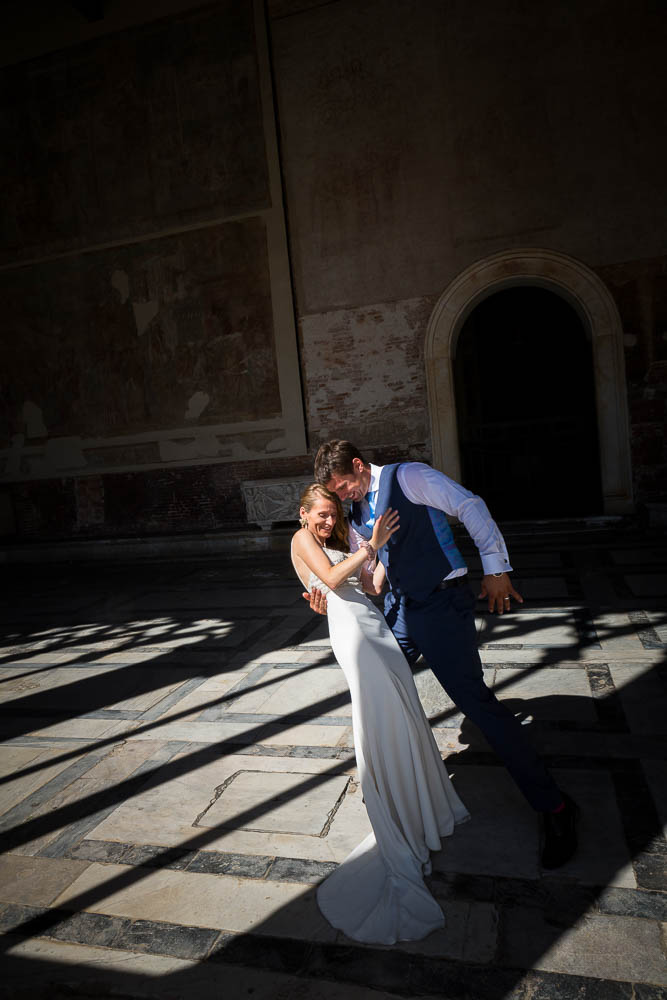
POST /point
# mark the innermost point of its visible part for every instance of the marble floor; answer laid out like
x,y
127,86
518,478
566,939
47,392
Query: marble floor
x,y
177,775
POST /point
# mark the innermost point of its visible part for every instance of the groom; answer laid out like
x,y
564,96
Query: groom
x,y
430,607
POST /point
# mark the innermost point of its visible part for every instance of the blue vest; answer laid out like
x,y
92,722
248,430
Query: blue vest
x,y
423,551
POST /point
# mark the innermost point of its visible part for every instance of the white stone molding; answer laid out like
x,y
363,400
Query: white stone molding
x,y
579,286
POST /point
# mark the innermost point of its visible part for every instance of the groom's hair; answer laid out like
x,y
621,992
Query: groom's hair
x,y
335,459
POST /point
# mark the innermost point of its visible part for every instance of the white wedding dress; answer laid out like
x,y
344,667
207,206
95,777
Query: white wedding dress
x,y
378,893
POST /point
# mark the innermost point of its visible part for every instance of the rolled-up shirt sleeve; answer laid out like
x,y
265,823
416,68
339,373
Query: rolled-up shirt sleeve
x,y
424,485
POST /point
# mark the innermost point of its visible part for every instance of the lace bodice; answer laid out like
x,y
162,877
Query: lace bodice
x,y
334,556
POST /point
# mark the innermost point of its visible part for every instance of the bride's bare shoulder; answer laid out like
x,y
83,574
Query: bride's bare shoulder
x,y
302,553
303,541
297,540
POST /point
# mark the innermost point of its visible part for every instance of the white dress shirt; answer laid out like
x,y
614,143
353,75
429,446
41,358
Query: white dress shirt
x,y
428,487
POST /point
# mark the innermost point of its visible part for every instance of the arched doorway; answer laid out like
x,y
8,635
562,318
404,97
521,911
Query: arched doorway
x,y
579,287
525,403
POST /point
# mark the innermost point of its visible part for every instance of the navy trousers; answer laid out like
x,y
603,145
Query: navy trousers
x,y
442,629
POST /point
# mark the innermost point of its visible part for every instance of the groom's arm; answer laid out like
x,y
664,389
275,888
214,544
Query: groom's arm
x,y
424,485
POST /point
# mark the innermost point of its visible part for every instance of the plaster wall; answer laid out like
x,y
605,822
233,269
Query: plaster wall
x,y
420,137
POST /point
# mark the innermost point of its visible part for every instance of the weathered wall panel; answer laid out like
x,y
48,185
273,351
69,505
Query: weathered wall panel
x,y
147,337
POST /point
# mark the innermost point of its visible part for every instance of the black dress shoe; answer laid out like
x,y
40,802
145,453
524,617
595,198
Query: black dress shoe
x,y
559,834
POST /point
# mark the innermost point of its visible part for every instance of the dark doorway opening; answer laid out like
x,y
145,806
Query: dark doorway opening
x,y
525,399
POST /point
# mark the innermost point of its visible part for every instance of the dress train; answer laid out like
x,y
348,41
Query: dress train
x,y
378,893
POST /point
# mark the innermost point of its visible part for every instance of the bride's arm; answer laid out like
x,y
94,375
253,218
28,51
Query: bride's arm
x,y
310,553
307,549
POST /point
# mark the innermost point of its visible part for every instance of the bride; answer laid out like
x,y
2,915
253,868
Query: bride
x,y
378,893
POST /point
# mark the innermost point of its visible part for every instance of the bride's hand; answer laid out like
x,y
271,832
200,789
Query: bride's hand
x,y
384,528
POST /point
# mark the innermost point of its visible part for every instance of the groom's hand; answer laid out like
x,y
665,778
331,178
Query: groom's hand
x,y
500,592
317,601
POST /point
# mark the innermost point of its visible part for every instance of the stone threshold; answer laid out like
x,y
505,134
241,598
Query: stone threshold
x,y
160,547
391,968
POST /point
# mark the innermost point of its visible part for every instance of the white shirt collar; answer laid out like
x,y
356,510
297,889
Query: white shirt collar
x,y
375,477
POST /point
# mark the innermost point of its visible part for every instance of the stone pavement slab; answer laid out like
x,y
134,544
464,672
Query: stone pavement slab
x,y
541,694
285,807
501,836
290,690
42,764
149,976
36,881
656,776
647,585
616,948
171,812
640,556
541,588
256,730
658,621
643,696
533,629
202,900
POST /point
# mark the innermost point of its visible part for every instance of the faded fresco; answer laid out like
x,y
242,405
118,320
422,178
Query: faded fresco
x,y
147,129
169,333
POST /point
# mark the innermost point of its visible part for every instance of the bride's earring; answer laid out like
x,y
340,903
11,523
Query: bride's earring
x,y
304,522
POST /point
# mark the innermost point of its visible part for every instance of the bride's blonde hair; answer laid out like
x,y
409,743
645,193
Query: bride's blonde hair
x,y
339,538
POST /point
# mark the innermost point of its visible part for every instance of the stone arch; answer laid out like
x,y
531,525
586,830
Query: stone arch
x,y
578,285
